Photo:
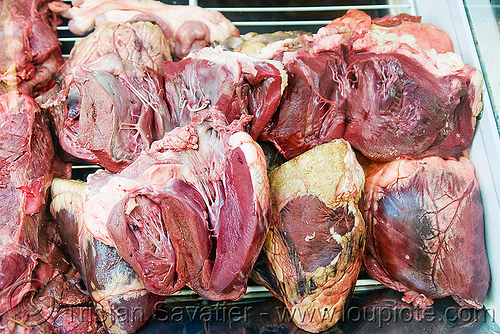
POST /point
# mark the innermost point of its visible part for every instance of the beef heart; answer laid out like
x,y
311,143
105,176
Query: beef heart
x,y
193,210
426,230
234,83
312,109
314,250
188,28
408,102
386,91
199,223
110,104
33,56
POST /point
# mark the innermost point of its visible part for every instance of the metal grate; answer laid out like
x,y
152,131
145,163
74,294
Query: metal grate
x,y
263,19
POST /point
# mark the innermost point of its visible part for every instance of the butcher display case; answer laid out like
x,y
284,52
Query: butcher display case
x,y
474,28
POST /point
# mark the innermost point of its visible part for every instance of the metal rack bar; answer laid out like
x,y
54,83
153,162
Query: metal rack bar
x,y
261,292
279,23
305,9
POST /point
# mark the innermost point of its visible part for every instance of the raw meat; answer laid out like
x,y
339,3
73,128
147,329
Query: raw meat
x,y
404,101
110,104
232,82
427,35
141,42
355,22
111,282
26,156
314,250
31,54
57,306
426,230
193,210
312,109
387,92
187,28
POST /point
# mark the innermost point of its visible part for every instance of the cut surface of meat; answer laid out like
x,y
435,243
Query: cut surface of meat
x,y
314,249
33,55
112,283
110,105
215,230
229,81
408,101
26,156
389,93
426,230
187,28
312,109
194,209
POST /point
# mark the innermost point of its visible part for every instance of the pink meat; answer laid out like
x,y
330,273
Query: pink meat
x,y
26,154
312,109
111,282
427,35
400,105
109,105
426,230
388,93
192,210
233,83
33,55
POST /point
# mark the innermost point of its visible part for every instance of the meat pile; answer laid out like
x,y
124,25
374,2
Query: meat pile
x,y
38,284
177,108
194,210
27,155
378,87
394,90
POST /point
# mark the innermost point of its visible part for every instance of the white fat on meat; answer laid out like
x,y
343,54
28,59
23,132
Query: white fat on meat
x,y
220,56
182,25
272,49
350,183
96,209
380,42
426,35
256,161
